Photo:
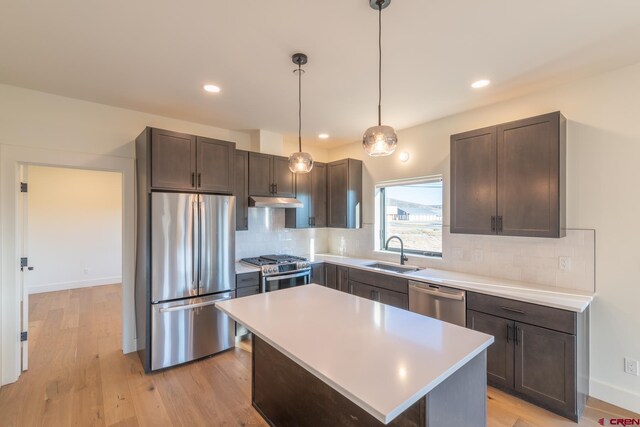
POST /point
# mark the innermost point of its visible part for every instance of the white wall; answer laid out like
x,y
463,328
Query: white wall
x,y
74,228
603,152
76,133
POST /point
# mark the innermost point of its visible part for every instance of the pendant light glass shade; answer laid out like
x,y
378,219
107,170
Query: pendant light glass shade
x,y
300,162
380,141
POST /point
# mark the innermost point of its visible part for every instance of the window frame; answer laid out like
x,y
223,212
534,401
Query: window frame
x,y
382,223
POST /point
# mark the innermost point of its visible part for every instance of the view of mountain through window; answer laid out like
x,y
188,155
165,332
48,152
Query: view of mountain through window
x,y
414,213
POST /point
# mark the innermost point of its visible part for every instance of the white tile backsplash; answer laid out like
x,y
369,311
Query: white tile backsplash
x,y
527,259
267,235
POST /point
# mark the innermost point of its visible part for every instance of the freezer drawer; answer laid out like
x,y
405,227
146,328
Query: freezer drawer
x,y
189,329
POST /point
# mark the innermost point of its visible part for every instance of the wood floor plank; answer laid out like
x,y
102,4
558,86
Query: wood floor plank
x,y
78,376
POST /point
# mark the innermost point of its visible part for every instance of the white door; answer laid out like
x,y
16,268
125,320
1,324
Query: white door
x,y
24,265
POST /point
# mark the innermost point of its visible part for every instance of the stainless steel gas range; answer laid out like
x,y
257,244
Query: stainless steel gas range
x,y
281,271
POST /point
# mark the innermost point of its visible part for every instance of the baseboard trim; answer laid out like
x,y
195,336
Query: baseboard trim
x,y
63,286
616,396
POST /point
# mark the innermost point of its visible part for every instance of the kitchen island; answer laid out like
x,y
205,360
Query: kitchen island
x,y
323,357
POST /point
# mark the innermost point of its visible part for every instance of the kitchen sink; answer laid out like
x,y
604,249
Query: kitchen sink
x,y
393,268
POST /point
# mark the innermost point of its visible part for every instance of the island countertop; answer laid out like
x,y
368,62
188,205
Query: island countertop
x,y
380,357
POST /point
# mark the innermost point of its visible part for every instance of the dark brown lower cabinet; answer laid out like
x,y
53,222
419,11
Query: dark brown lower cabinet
x,y
330,276
544,362
317,274
342,278
385,296
500,354
545,366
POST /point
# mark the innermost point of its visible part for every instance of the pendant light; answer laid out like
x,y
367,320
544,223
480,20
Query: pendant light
x,y
300,162
379,140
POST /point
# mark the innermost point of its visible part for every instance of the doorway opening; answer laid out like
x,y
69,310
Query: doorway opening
x,y
72,223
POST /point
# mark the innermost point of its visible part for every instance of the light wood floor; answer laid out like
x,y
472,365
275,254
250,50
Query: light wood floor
x,y
78,376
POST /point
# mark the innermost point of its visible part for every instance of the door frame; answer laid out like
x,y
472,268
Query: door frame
x,y
11,158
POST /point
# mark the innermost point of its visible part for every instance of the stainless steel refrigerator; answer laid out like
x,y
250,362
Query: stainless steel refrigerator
x,y
192,266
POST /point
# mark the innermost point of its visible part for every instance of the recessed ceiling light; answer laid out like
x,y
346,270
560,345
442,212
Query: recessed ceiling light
x,y
480,84
323,136
212,88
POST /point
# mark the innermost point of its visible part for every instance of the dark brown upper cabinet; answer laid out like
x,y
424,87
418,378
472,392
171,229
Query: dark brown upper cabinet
x,y
242,190
173,160
510,179
184,162
270,176
215,169
311,190
344,193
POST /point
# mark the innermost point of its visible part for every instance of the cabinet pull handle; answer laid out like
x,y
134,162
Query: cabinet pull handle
x,y
499,223
199,179
513,310
493,223
193,179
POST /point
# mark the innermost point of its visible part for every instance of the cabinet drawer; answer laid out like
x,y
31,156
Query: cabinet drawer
x,y
247,279
385,281
533,314
245,292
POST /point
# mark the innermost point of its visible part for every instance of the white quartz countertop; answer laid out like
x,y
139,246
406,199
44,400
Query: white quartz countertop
x,y
242,268
565,299
382,358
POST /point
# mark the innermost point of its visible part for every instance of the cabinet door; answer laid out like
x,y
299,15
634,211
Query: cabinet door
x,y
500,353
337,181
545,367
173,160
242,190
396,299
342,278
318,202
300,217
260,182
331,276
216,165
473,182
362,290
317,274
529,177
283,178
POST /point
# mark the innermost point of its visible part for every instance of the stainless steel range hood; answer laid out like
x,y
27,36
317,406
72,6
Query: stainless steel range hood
x,y
274,202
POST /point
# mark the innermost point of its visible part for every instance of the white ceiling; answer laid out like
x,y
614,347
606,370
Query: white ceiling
x,y
155,55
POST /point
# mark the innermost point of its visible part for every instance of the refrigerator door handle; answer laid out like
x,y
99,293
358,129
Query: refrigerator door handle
x,y
190,306
195,271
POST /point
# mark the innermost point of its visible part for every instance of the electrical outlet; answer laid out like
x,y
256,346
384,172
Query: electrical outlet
x,y
457,253
631,366
478,255
564,263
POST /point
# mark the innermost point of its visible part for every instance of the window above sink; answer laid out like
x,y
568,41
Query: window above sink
x,y
412,210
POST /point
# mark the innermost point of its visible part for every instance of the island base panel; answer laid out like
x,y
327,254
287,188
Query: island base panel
x,y
286,394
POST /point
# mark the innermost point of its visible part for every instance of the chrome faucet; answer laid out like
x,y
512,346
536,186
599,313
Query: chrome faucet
x,y
402,257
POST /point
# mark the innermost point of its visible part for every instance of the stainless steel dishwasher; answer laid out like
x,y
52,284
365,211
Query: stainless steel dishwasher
x,y
442,303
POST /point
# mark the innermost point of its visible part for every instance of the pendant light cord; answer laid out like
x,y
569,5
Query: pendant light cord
x,y
299,108
379,61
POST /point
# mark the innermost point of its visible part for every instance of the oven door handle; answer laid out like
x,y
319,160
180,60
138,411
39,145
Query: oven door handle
x,y
290,276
